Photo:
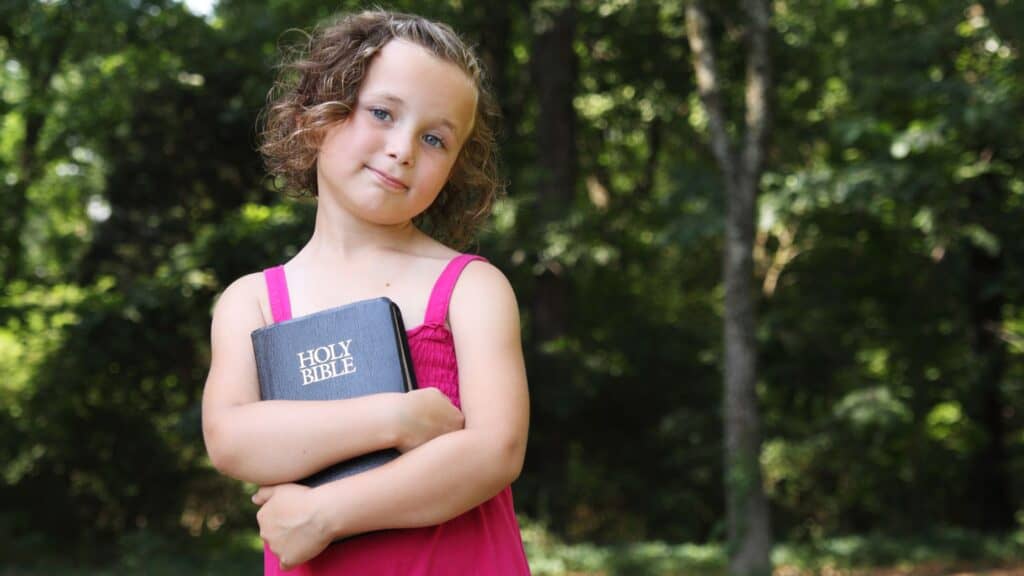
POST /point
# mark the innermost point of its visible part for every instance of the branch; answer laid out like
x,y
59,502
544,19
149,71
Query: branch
x,y
707,83
758,80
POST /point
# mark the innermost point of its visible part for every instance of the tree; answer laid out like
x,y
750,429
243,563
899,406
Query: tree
x,y
746,505
552,69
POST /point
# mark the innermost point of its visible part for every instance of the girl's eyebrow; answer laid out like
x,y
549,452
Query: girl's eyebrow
x,y
399,102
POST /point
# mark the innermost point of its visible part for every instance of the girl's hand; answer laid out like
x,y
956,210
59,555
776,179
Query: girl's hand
x,y
290,523
424,414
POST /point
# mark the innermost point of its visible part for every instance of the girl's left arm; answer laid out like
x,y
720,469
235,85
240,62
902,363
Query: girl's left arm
x,y
453,472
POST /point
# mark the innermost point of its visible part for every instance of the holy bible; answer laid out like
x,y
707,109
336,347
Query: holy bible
x,y
344,352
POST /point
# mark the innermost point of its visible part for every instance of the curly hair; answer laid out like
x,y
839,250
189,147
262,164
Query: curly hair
x,y
319,85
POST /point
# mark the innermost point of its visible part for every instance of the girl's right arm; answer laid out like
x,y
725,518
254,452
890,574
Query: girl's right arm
x,y
283,441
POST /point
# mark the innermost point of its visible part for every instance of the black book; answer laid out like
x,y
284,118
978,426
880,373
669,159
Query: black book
x,y
344,352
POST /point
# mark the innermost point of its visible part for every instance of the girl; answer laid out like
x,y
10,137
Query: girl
x,y
386,121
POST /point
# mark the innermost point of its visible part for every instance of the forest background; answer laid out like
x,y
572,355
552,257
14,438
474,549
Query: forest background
x,y
888,265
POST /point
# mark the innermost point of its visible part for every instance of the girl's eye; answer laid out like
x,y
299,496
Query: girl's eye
x,y
433,141
380,113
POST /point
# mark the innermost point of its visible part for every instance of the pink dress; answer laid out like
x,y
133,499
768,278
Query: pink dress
x,y
484,541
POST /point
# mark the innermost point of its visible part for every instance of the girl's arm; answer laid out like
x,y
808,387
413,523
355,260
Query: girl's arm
x,y
445,476
283,441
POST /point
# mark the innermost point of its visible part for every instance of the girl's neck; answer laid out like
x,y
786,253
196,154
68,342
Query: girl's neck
x,y
341,237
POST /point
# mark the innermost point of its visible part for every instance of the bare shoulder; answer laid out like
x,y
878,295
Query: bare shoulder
x,y
248,286
483,296
244,302
481,278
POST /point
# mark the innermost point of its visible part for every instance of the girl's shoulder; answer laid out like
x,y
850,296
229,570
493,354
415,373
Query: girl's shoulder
x,y
245,301
482,295
482,280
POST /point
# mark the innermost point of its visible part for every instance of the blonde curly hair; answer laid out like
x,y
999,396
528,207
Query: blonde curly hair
x,y
318,87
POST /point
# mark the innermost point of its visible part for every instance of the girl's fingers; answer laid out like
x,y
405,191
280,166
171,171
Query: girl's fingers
x,y
262,495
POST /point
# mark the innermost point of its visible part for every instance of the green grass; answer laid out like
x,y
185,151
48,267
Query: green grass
x,y
949,547
863,553
229,555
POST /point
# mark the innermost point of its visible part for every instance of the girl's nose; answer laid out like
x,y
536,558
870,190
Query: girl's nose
x,y
401,147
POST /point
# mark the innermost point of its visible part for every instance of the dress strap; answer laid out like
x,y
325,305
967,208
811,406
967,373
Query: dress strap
x,y
277,290
437,308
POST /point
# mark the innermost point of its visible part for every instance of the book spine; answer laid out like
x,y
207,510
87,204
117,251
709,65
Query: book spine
x,y
402,343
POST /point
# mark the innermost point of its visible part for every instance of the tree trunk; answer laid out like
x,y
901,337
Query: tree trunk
x,y
749,526
553,67
494,47
553,71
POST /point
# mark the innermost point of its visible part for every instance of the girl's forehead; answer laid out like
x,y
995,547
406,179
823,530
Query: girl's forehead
x,y
423,82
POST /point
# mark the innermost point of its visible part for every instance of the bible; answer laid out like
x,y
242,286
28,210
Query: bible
x,y
345,352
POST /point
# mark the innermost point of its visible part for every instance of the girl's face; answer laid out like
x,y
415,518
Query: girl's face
x,y
389,159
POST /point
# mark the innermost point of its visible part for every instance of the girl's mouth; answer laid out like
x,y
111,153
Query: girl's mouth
x,y
388,181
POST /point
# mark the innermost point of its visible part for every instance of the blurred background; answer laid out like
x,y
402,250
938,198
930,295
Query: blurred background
x,y
887,258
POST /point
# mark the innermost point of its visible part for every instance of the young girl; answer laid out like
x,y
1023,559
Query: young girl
x,y
387,123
